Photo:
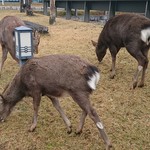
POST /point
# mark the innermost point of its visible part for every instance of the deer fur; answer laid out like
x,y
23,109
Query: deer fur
x,y
52,76
7,39
131,31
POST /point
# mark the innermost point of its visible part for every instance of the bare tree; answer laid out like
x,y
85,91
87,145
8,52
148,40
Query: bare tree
x,y
25,6
21,6
52,18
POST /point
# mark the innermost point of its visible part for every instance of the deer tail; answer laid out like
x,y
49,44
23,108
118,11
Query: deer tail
x,y
92,76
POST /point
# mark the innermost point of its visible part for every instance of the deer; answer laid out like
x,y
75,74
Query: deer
x,y
7,38
52,76
131,31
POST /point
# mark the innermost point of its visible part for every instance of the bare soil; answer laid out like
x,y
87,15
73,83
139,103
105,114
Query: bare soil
x,y
124,112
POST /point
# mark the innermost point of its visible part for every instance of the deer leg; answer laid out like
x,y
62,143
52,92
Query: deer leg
x,y
141,56
135,78
113,70
81,123
56,104
141,84
142,65
82,99
4,56
93,115
113,50
36,104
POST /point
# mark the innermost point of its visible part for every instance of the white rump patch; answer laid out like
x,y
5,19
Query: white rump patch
x,y
100,125
93,81
145,34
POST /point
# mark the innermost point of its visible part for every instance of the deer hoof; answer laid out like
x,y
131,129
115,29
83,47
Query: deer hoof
x,y
134,85
111,76
78,132
141,85
2,120
69,131
109,146
32,128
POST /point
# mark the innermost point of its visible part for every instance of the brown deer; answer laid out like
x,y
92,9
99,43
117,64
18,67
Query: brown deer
x,y
131,31
7,39
52,76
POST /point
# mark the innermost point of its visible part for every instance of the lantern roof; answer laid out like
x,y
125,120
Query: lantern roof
x,y
24,28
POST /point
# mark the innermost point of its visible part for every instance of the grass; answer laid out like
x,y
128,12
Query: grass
x,y
124,112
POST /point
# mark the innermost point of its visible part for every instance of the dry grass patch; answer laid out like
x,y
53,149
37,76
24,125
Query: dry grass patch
x,y
125,113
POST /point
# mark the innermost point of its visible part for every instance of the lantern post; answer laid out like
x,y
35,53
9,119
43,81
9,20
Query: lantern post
x,y
24,44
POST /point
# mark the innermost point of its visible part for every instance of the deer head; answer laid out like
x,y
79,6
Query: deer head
x,y
5,109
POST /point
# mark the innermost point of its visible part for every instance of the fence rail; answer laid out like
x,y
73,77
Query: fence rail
x,y
10,0
112,6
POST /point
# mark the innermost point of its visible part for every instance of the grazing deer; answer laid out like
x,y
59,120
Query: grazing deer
x,y
52,76
131,31
7,39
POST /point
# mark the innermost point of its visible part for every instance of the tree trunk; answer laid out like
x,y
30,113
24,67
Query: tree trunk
x,y
21,6
36,27
25,6
28,8
52,18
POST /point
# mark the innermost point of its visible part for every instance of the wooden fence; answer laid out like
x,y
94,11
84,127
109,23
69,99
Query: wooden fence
x,y
112,6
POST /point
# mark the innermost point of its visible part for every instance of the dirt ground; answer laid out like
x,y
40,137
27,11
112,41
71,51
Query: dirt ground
x,y
124,112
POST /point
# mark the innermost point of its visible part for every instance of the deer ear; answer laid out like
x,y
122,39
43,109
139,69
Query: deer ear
x,y
94,43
